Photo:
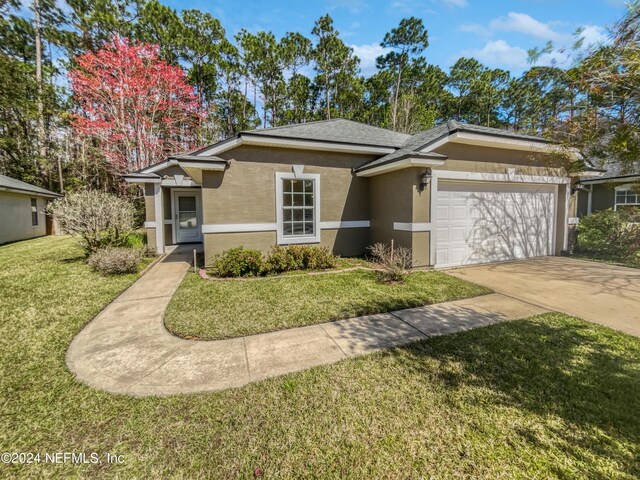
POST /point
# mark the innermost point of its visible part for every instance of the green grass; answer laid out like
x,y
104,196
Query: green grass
x,y
549,396
223,309
620,262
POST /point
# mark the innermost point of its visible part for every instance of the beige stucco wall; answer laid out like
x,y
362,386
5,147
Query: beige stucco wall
x,y
395,197
15,217
246,193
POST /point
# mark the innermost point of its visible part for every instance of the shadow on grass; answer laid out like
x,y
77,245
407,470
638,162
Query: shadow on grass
x,y
585,374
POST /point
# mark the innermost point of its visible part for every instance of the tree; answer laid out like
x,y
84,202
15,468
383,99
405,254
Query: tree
x,y
333,59
410,38
138,107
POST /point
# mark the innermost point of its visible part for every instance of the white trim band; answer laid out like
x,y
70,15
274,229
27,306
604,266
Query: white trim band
x,y
412,227
239,227
500,177
149,224
345,224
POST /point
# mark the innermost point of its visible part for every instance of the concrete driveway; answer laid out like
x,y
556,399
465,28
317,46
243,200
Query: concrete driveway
x,y
594,291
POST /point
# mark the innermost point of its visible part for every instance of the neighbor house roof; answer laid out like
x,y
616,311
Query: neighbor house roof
x,y
615,171
11,184
413,145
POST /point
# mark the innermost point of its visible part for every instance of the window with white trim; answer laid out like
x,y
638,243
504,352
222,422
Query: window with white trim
x,y
297,203
626,195
34,212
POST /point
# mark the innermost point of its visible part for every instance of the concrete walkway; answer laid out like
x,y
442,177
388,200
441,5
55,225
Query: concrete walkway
x,y
127,350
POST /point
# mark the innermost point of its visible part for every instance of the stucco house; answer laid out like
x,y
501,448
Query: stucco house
x,y
616,187
456,194
22,210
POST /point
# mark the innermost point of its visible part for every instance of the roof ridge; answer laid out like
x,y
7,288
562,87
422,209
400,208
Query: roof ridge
x,y
291,125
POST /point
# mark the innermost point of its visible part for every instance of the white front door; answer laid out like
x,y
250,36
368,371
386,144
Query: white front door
x,y
187,217
491,222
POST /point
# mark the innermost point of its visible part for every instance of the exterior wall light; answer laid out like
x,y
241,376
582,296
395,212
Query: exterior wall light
x,y
424,180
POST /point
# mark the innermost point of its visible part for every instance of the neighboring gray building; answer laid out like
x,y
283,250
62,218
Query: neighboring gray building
x,y
616,187
22,208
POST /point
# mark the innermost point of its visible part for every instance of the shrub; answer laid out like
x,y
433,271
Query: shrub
x,y
299,257
98,218
394,263
609,234
115,260
237,262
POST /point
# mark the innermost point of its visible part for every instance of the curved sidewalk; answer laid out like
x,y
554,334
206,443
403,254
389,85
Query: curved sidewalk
x,y
127,350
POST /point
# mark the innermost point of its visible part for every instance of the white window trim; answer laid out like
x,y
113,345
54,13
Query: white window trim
x,y
624,188
281,239
37,224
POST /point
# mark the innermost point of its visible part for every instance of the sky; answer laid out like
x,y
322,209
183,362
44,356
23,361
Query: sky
x,y
498,33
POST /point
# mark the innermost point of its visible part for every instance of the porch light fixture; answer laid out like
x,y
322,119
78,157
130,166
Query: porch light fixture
x,y
424,180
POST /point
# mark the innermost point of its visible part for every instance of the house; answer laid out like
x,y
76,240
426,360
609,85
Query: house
x,y
22,210
456,194
616,187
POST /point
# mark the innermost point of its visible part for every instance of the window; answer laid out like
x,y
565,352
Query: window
x,y
298,201
34,212
625,195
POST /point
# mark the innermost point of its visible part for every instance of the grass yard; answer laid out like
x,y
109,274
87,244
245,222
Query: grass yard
x,y
549,396
211,310
624,262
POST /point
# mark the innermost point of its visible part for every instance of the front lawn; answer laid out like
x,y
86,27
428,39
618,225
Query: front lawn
x,y
547,397
222,309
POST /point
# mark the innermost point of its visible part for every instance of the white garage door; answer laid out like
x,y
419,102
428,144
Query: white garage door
x,y
491,222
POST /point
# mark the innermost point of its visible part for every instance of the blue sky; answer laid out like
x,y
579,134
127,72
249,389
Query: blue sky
x,y
498,33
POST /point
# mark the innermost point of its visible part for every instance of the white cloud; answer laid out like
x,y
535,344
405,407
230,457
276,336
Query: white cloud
x,y
367,55
593,35
499,54
455,3
527,25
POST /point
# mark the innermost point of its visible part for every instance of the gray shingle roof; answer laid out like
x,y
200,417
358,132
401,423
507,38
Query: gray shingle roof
x,y
422,139
13,184
337,130
614,170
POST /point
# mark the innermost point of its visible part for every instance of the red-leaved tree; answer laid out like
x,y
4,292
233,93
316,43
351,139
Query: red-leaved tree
x,y
137,106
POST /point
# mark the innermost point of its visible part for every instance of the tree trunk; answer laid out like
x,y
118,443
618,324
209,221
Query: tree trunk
x,y
394,112
327,95
42,137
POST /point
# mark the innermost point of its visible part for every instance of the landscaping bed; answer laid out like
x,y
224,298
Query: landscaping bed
x,y
546,397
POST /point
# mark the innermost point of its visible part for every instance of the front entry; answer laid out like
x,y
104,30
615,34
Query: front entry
x,y
187,216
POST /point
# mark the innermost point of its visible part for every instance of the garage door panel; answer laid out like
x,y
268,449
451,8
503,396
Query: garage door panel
x,y
488,222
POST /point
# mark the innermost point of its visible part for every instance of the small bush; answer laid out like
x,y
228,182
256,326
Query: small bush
x,y
115,260
237,262
98,218
393,263
609,235
298,257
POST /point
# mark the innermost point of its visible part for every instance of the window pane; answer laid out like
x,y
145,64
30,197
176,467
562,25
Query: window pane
x,y
308,214
287,215
308,200
286,199
298,199
187,204
187,220
297,185
286,186
34,212
287,229
297,215
308,228
308,185
298,228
